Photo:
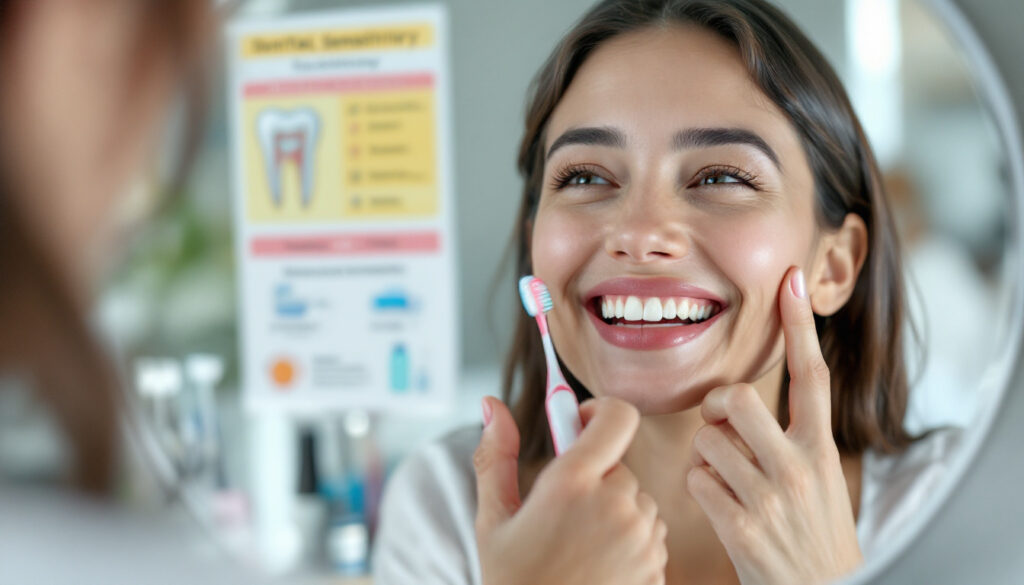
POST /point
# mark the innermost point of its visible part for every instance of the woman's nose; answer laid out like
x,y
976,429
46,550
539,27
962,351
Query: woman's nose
x,y
646,231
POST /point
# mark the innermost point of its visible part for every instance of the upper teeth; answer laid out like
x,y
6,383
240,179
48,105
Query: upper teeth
x,y
655,309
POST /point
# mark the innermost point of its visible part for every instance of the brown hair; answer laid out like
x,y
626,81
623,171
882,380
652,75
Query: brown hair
x,y
44,334
862,342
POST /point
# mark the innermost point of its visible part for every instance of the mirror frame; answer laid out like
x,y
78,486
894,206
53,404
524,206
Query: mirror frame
x,y
992,91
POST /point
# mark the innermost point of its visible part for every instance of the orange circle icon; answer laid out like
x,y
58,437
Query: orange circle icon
x,y
282,372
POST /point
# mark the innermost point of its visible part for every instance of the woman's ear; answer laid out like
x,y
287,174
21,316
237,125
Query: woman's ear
x,y
837,266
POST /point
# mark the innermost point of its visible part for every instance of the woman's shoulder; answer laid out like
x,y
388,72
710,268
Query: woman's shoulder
x,y
425,531
454,448
896,486
438,468
927,453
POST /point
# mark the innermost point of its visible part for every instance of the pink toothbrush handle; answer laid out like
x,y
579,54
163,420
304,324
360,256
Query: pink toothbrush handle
x,y
563,417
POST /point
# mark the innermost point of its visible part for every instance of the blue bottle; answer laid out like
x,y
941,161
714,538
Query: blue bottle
x,y
399,368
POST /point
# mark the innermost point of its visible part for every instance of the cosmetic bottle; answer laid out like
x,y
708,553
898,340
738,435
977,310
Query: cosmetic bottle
x,y
310,510
348,537
399,368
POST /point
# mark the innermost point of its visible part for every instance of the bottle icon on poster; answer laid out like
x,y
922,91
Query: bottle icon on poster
x,y
399,368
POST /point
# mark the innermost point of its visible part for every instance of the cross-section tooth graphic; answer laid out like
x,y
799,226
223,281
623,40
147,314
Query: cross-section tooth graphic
x,y
288,135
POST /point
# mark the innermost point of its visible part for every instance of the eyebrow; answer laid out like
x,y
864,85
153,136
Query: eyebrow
x,y
684,139
706,137
598,136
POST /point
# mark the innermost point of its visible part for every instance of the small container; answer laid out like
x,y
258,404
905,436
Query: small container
x,y
348,545
310,510
399,368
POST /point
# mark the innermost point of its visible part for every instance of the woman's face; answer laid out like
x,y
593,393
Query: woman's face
x,y
670,180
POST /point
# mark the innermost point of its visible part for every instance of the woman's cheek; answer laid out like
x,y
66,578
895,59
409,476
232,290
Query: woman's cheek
x,y
558,246
756,255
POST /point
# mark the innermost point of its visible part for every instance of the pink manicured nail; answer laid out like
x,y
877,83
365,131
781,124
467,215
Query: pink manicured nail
x,y
798,284
486,407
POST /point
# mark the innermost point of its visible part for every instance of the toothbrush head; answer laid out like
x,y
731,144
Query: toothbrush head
x,y
535,296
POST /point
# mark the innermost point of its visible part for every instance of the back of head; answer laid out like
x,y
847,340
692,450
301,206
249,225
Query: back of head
x,y
45,337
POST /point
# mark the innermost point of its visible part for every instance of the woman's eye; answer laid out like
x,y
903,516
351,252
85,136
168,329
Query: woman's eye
x,y
585,178
726,176
720,178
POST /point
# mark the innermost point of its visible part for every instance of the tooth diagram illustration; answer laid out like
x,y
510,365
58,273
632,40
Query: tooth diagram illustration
x,y
289,135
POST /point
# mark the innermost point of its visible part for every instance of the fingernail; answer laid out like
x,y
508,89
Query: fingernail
x,y
486,407
798,284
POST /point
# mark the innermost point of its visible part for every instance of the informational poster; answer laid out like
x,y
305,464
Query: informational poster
x,y
341,156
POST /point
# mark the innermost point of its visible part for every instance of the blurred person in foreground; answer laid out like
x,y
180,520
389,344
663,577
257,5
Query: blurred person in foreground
x,y
87,88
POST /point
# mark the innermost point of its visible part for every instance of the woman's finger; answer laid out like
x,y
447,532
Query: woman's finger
x,y
739,408
810,400
609,426
738,472
718,503
620,478
647,506
658,534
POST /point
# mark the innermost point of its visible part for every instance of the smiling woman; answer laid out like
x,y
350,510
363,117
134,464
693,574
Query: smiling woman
x,y
707,214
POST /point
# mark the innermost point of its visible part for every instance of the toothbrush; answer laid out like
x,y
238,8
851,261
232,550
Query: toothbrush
x,y
560,402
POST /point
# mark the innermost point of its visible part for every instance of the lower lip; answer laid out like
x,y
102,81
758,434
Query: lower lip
x,y
647,337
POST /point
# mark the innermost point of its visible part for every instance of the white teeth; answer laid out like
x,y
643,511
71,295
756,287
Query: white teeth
x,y
288,135
652,309
668,309
694,312
634,310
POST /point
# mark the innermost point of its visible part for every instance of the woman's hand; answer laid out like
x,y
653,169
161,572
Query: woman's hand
x,y
778,499
585,521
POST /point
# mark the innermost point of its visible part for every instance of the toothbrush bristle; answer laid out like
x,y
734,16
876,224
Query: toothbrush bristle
x,y
534,295
544,296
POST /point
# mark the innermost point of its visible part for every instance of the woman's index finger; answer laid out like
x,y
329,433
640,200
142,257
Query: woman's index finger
x,y
809,388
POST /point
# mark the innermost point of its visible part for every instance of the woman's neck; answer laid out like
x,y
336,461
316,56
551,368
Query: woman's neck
x,y
661,450
660,457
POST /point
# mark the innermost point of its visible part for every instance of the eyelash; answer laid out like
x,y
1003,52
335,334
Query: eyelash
x,y
737,173
565,175
572,171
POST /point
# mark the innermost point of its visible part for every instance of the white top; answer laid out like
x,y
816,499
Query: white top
x,y
426,527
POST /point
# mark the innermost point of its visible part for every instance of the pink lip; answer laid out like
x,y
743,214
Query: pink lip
x,y
649,337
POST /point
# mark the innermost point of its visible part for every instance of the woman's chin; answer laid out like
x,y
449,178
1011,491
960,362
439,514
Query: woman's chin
x,y
655,398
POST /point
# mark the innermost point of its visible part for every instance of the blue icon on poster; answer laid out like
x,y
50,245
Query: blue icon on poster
x,y
394,299
399,368
286,304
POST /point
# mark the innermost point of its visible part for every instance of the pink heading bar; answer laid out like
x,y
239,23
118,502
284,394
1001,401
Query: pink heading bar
x,y
338,84
347,244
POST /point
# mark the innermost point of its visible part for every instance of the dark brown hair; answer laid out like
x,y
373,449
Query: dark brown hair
x,y
862,342
44,334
